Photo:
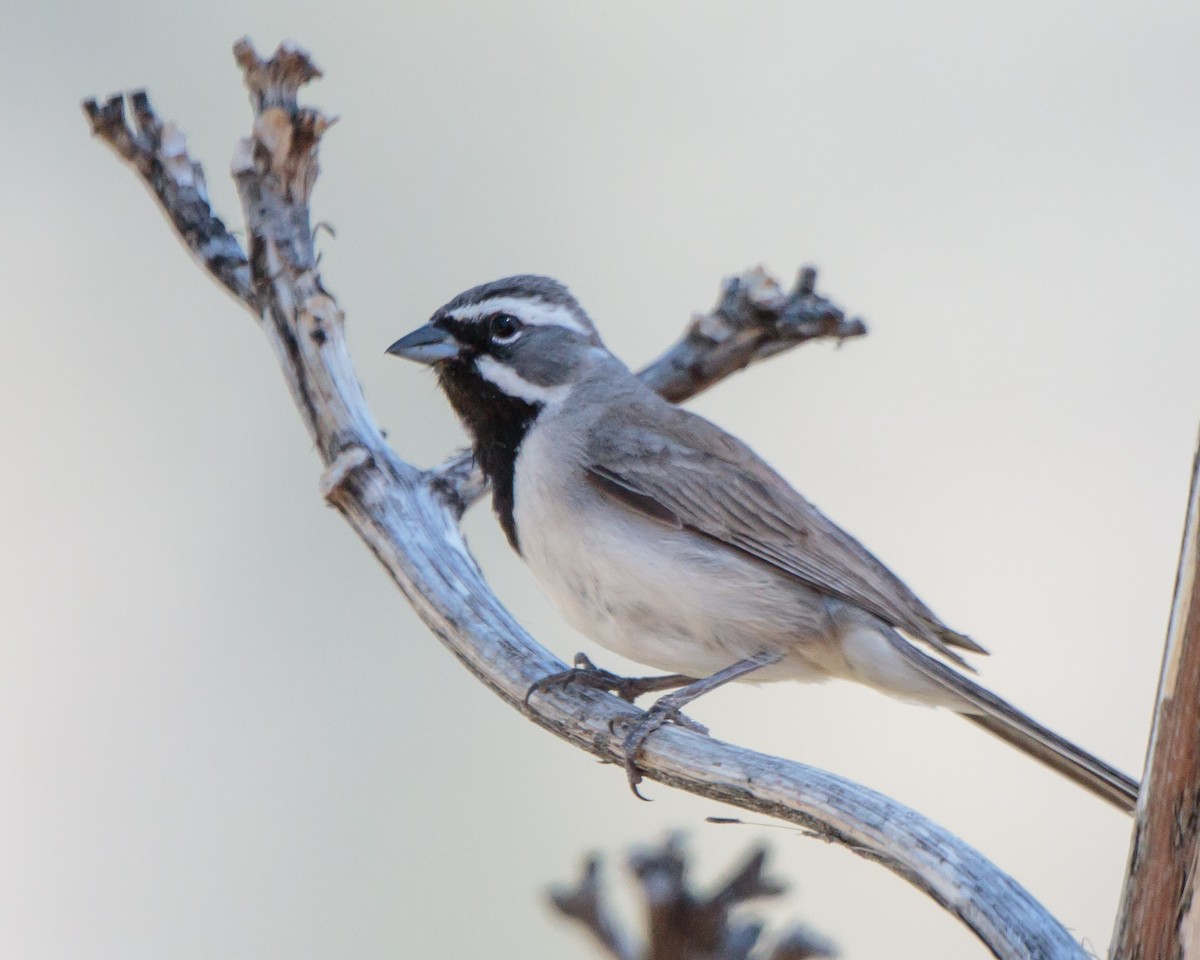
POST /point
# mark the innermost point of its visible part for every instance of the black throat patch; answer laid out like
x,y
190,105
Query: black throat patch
x,y
497,423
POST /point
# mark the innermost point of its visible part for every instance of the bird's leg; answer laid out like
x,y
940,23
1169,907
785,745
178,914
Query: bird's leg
x,y
589,675
666,709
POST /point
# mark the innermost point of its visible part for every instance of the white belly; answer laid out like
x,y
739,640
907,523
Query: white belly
x,y
679,602
659,596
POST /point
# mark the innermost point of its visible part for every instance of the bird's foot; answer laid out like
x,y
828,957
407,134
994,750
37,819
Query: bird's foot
x,y
663,711
668,708
587,674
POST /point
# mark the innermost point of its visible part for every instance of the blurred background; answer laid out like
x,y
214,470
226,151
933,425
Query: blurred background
x,y
222,731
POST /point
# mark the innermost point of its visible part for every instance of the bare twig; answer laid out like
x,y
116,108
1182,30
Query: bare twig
x,y
401,514
682,924
158,152
584,903
753,319
1160,909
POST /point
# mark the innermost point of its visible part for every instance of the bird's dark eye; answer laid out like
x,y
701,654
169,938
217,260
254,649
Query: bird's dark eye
x,y
504,327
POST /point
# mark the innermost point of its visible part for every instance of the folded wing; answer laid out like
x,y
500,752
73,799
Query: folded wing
x,y
697,477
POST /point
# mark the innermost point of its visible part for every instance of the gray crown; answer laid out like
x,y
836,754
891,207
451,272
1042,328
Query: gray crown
x,y
527,286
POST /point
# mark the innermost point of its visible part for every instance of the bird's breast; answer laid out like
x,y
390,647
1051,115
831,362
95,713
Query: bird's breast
x,y
660,596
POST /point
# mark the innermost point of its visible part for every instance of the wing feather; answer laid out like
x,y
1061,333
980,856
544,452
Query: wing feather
x,y
690,474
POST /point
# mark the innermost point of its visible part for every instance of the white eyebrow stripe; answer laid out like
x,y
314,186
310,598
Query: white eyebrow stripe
x,y
533,312
514,385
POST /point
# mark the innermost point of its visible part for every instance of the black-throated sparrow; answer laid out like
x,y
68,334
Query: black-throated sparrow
x,y
667,540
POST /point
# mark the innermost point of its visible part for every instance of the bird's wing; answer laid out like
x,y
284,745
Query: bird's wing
x,y
690,474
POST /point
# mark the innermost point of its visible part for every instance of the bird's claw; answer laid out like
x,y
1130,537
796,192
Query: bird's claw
x,y
667,709
587,674
583,672
631,745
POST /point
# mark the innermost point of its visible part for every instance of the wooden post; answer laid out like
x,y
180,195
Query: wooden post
x,y
1159,917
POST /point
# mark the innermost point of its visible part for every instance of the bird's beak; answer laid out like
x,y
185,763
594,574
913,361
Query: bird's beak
x,y
427,344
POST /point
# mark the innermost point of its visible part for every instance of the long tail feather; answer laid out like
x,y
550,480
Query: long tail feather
x,y
1012,726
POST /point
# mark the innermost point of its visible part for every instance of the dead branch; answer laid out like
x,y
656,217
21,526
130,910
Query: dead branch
x,y
681,923
158,151
404,517
753,319
584,903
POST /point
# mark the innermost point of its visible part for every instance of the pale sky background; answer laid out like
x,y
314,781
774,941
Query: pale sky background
x,y
222,731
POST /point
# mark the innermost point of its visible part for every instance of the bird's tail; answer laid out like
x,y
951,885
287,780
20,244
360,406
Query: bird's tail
x,y
1011,725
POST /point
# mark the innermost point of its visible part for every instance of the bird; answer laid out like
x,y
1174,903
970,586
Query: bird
x,y
665,539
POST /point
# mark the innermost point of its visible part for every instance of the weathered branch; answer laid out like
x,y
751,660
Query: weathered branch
x,y
753,319
584,903
681,924
158,152
1160,909
402,515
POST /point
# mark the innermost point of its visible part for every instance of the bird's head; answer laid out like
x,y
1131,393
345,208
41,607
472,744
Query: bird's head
x,y
507,349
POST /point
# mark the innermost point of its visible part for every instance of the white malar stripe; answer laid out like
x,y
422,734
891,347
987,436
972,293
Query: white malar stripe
x,y
514,385
533,312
